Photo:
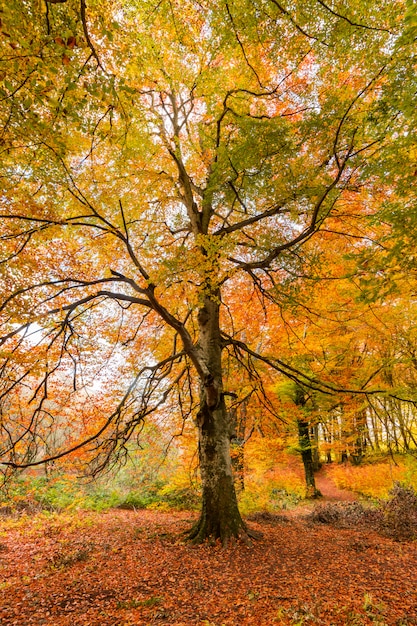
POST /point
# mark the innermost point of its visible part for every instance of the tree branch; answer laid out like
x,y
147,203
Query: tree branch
x,y
346,19
295,24
304,379
86,33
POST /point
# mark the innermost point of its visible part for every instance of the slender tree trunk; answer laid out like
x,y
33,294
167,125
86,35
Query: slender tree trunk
x,y
306,455
401,421
220,517
306,448
375,422
327,436
314,434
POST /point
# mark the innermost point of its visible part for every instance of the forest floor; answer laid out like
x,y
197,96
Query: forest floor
x,y
330,491
125,568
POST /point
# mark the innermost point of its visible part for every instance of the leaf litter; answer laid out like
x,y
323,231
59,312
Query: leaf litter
x,y
125,568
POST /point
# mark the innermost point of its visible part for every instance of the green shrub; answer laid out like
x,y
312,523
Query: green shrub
x,y
179,498
137,500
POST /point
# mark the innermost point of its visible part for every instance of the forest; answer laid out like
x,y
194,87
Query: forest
x,y
208,315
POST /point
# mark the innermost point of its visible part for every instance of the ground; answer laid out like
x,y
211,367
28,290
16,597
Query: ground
x,y
132,568
329,490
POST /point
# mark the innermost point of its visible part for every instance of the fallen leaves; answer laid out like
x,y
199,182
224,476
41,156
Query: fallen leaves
x,y
128,568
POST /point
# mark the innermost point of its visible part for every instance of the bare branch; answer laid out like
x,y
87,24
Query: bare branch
x,y
115,416
248,63
275,210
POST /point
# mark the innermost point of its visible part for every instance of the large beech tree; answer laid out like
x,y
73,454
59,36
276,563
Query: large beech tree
x,y
154,156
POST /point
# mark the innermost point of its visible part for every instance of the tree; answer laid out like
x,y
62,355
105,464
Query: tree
x,y
151,164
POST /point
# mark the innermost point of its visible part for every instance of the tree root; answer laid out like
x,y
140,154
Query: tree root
x,y
227,533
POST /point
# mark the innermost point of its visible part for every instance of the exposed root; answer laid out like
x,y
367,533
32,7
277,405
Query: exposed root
x,y
227,533
313,493
254,534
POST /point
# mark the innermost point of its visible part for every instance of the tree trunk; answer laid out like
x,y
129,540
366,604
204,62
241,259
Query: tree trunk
x,y
305,447
306,455
314,434
220,517
327,436
237,444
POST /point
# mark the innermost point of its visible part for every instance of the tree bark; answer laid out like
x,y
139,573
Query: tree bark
x,y
220,517
305,447
237,444
314,434
306,455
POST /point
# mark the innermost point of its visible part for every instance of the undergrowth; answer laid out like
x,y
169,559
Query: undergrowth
x,y
375,478
395,518
27,494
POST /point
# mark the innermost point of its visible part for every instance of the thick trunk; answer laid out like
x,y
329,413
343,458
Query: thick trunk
x,y
220,517
237,444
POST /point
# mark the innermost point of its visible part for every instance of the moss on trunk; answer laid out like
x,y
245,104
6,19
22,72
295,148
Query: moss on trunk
x,y
220,517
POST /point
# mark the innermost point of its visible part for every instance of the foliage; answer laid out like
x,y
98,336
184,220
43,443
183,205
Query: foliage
x,y
374,479
178,498
345,515
410,476
200,198
273,478
64,492
151,476
260,497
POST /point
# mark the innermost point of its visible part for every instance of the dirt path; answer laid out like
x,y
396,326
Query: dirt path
x,y
330,491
